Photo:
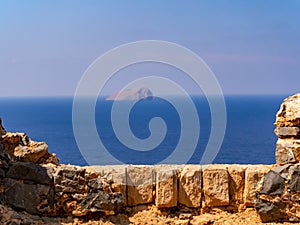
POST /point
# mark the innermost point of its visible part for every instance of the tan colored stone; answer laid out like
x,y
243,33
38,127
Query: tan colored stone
x,y
166,188
140,185
253,175
287,151
190,186
182,222
287,132
33,152
236,183
216,185
289,112
204,219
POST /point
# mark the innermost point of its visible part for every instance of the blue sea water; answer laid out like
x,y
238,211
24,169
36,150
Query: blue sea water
x,y
249,136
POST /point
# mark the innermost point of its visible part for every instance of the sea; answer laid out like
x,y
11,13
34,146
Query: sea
x,y
249,136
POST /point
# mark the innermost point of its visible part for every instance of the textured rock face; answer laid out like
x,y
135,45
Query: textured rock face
x,y
190,186
25,196
116,175
20,148
236,184
289,112
253,175
288,131
140,182
287,151
216,186
166,188
278,196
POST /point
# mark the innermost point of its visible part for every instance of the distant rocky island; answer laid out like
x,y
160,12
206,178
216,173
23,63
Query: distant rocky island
x,y
132,94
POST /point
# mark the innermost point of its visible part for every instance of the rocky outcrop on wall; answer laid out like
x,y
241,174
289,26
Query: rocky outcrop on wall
x,y
288,131
279,194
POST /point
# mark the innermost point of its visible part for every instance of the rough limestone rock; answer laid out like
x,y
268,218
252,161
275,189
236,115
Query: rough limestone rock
x,y
236,184
216,186
253,175
287,151
289,112
20,148
32,152
288,132
190,186
132,94
11,140
140,185
69,179
29,197
166,187
277,199
116,175
30,172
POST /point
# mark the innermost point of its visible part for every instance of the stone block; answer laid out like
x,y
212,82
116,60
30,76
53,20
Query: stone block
x,y
216,186
116,175
69,179
287,151
140,185
236,183
166,187
28,197
29,171
190,186
287,132
253,176
289,112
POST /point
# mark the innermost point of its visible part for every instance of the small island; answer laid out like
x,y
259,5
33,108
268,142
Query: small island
x,y
142,93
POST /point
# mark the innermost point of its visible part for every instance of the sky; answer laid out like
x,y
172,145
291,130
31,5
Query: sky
x,y
252,47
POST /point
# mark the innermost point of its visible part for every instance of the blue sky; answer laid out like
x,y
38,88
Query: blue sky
x,y
252,47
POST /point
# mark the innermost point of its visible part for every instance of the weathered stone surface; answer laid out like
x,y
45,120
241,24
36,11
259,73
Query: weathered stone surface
x,y
289,112
236,183
32,152
216,185
29,171
190,186
253,175
273,184
287,151
10,140
270,211
166,187
116,175
294,178
278,199
140,185
108,203
69,179
204,219
288,132
24,196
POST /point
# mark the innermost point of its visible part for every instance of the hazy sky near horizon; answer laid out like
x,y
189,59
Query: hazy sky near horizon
x,y
253,47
